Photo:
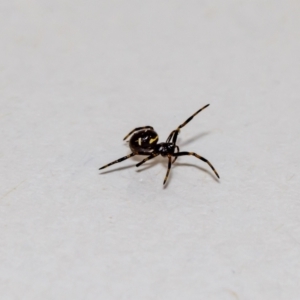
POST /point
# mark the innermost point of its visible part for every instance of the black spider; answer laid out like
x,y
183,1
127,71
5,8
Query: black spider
x,y
144,142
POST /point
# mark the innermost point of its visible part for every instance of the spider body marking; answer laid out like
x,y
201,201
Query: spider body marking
x,y
144,141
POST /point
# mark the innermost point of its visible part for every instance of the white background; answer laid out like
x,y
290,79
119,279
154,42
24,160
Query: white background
x,y
76,77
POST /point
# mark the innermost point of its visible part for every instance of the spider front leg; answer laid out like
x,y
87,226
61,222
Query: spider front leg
x,y
173,135
198,156
118,160
169,168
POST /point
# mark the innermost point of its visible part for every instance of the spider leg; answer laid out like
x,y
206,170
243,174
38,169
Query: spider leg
x,y
173,135
147,158
170,136
119,160
198,156
176,147
169,168
136,129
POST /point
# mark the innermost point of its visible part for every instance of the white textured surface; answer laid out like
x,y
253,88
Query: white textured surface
x,y
76,76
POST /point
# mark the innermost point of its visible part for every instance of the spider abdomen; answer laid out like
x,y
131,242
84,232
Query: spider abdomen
x,y
143,141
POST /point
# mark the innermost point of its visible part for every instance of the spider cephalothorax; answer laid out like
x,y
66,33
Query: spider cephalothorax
x,y
144,141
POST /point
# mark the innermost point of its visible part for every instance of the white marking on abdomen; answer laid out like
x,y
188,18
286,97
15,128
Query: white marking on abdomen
x,y
153,140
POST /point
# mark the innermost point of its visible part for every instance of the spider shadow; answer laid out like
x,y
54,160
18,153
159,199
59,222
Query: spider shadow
x,y
193,138
158,160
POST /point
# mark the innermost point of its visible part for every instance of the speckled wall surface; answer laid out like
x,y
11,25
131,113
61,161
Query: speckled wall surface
x,y
76,77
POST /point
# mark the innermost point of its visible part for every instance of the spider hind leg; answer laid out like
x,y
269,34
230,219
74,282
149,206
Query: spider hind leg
x,y
118,160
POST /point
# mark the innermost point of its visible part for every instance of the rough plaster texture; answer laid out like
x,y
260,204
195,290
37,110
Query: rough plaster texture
x,y
76,76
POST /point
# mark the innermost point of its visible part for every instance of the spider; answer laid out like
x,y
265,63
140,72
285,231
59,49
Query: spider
x,y
144,142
